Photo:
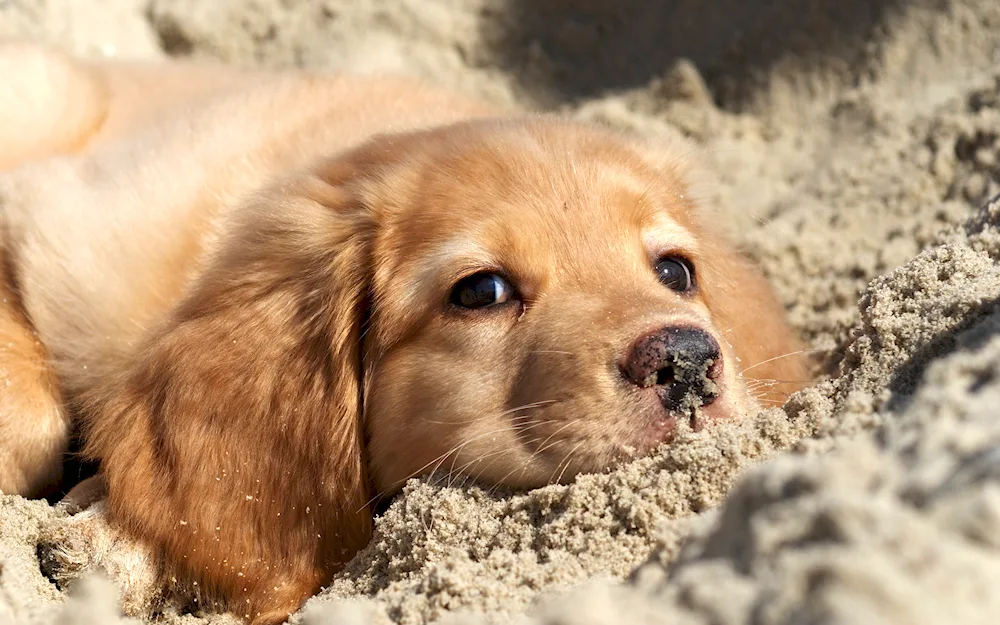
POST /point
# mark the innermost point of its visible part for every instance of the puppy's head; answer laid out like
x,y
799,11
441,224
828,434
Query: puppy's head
x,y
548,299
514,301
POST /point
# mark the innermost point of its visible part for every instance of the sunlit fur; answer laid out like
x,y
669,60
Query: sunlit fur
x,y
242,289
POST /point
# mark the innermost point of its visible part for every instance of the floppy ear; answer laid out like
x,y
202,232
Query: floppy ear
x,y
753,320
232,442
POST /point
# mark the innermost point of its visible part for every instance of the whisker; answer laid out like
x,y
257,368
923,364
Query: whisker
x,y
765,385
777,381
453,471
738,325
523,464
461,470
514,419
537,404
457,448
543,447
454,450
768,388
795,353
438,461
645,192
567,460
773,393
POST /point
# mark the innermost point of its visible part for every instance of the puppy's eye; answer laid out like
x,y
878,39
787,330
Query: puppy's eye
x,y
676,273
481,290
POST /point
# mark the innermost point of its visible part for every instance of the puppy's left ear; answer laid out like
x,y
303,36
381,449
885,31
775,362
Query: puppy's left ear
x,y
233,441
753,320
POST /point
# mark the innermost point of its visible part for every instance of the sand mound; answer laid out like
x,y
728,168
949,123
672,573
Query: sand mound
x,y
852,146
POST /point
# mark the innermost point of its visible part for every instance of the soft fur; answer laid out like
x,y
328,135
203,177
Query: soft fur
x,y
238,282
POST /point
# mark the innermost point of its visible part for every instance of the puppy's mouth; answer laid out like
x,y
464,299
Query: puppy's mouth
x,y
683,402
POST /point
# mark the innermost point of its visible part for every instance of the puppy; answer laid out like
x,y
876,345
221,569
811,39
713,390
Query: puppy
x,y
270,299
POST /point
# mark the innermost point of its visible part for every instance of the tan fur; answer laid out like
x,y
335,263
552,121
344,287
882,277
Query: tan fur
x,y
51,104
241,288
34,427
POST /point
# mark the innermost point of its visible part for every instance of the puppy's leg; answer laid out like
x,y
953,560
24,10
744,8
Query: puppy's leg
x,y
34,427
49,103
85,494
71,547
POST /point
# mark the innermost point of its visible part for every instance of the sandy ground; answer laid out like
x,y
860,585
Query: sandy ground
x,y
852,145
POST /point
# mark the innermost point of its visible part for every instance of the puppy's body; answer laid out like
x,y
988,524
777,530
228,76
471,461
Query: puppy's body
x,y
249,295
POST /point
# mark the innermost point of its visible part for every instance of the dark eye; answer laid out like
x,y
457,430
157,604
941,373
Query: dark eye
x,y
481,290
676,273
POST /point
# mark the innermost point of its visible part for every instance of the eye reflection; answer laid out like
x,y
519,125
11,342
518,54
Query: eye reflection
x,y
481,290
675,273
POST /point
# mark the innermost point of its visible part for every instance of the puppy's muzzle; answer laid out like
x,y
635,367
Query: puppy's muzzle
x,y
681,363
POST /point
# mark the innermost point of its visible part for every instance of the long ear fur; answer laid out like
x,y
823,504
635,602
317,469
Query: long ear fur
x,y
746,308
233,442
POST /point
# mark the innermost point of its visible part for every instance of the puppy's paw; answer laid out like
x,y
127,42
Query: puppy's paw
x,y
78,544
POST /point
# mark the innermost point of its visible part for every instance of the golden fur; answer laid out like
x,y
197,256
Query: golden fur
x,y
239,282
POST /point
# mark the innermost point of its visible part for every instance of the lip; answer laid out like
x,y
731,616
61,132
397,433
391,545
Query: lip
x,y
661,430
663,427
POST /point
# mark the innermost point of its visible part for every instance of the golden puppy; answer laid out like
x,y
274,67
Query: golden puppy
x,y
273,298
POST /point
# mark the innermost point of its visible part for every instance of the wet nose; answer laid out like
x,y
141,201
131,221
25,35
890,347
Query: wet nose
x,y
681,363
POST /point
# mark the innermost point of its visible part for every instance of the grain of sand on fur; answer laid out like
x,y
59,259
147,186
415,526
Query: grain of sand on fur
x,y
853,156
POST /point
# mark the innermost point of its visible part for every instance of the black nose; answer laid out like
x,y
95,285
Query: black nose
x,y
682,363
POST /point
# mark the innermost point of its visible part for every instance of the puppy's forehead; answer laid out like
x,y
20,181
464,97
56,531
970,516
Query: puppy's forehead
x,y
547,177
536,199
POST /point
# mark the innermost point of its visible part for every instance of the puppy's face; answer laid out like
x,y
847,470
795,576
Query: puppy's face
x,y
548,300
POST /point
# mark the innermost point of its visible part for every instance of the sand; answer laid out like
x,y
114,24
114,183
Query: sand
x,y
852,146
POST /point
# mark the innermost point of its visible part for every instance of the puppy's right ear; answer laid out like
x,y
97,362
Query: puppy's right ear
x,y
233,441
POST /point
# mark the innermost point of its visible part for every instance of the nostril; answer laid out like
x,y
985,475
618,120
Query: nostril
x,y
681,362
665,376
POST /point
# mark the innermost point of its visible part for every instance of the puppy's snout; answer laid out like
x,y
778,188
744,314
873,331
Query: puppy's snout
x,y
681,363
